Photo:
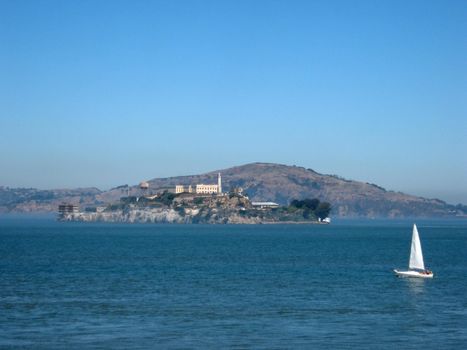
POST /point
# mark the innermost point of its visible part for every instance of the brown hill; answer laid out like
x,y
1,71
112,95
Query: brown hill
x,y
282,183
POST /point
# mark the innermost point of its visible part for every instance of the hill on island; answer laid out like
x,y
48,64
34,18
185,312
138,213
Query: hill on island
x,y
261,182
282,183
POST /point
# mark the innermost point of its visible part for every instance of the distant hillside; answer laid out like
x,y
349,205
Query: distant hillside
x,y
282,183
262,182
34,200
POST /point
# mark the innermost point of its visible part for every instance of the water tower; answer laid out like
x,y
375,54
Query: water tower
x,y
144,186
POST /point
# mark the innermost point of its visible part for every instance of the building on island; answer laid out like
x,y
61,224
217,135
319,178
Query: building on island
x,y
264,205
206,189
202,188
65,209
183,189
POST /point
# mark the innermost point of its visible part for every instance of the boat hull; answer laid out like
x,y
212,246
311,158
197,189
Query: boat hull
x,y
412,273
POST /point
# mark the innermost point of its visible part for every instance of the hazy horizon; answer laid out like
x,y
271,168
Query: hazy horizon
x,y
106,93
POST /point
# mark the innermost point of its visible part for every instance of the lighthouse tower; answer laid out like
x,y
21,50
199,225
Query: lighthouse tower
x,y
219,184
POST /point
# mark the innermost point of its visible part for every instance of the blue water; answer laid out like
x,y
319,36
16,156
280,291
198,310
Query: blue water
x,y
80,286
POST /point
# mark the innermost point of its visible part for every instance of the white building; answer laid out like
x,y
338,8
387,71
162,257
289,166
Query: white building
x,y
264,205
206,189
210,189
183,189
202,188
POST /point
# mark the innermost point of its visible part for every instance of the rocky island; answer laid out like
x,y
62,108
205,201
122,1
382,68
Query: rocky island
x,y
190,208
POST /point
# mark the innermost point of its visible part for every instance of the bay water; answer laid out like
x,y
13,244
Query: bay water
x,y
112,286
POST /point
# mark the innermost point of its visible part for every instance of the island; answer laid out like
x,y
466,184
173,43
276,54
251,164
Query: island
x,y
233,207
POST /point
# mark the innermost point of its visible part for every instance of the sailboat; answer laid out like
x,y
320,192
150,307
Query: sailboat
x,y
416,265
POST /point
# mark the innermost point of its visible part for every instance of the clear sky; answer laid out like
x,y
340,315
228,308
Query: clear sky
x,y
104,93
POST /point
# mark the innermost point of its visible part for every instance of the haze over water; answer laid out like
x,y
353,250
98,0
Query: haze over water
x,y
269,286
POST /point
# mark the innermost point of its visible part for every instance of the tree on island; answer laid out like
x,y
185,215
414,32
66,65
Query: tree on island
x,y
323,210
311,204
311,208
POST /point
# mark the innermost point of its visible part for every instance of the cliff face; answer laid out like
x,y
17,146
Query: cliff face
x,y
183,209
261,182
162,215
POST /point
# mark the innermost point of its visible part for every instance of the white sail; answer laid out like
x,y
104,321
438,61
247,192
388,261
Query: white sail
x,y
416,256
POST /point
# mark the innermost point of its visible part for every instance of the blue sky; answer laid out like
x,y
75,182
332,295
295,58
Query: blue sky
x,y
103,93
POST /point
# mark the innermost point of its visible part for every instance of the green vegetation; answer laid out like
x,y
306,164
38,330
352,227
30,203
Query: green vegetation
x,y
323,210
198,200
167,198
310,208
